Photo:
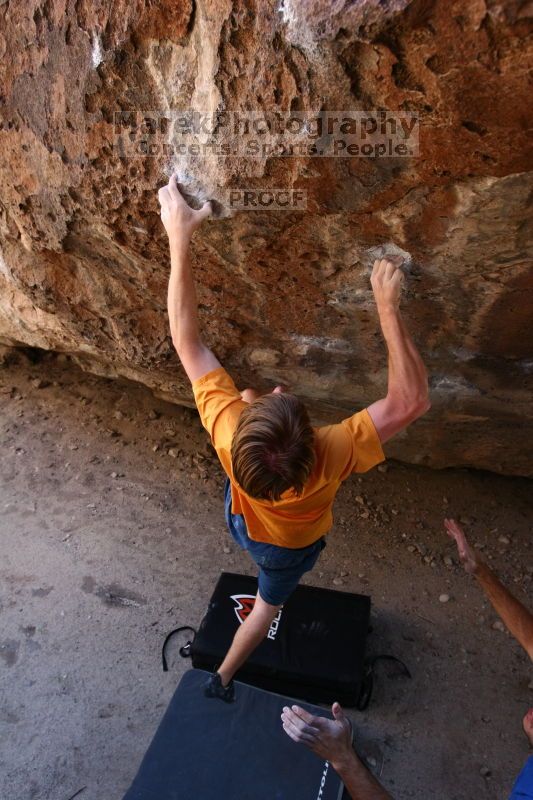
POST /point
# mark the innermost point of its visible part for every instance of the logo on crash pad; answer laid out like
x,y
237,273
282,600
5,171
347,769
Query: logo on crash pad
x,y
244,604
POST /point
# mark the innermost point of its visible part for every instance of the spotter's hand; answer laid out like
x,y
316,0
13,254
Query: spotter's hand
x,y
467,554
330,739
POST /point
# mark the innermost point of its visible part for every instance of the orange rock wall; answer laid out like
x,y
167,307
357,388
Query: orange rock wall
x,y
284,296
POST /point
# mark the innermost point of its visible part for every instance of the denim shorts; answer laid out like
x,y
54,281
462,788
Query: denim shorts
x,y
280,568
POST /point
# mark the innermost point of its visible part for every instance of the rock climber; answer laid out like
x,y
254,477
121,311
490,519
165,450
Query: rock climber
x,y
283,473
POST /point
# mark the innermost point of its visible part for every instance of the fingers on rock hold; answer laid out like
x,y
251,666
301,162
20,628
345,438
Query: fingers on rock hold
x,y
173,186
206,210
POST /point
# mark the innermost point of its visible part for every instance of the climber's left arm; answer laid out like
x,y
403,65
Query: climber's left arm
x,y
180,222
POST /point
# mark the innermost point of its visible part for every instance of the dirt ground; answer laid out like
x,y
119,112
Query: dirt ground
x,y
112,533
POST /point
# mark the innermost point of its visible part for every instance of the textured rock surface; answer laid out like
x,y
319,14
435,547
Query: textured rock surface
x,y
284,296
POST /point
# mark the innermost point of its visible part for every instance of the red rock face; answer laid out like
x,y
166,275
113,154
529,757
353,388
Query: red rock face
x,y
284,296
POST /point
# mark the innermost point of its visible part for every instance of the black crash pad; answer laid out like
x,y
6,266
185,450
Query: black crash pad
x,y
314,650
205,749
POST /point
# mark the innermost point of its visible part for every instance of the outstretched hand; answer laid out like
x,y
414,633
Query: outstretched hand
x,y
330,739
387,280
467,554
179,219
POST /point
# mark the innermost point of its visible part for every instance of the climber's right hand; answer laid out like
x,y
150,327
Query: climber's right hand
x,y
179,219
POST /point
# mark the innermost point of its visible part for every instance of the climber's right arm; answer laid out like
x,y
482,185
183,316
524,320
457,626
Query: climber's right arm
x,y
180,222
407,392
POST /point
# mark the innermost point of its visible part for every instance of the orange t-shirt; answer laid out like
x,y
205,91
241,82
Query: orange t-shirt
x,y
353,445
